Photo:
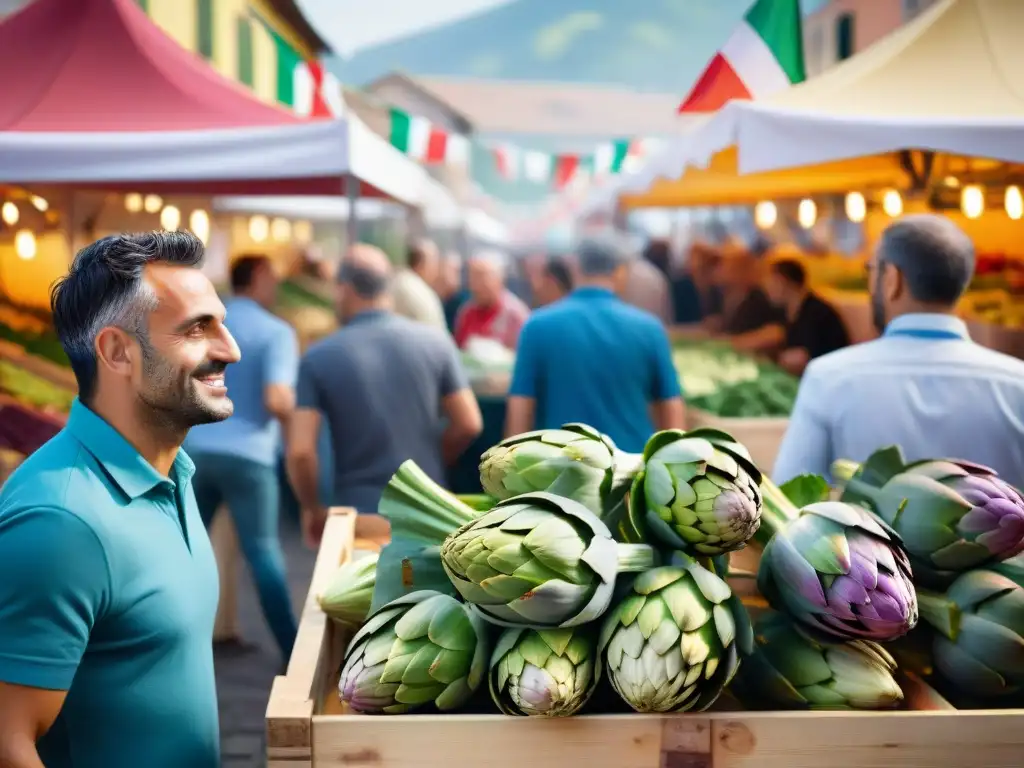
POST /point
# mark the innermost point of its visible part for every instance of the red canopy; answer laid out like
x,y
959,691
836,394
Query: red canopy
x,y
102,65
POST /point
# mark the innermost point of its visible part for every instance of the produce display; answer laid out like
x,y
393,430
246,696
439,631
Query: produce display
x,y
32,390
559,589
716,378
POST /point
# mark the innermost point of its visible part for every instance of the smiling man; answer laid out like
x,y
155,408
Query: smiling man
x,y
108,586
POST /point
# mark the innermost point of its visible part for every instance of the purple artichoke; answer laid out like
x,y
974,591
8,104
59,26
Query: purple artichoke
x,y
952,515
838,572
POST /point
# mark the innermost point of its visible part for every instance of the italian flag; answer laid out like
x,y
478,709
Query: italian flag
x,y
304,85
763,55
423,141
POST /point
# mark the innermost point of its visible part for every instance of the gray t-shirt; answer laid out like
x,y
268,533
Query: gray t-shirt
x,y
379,382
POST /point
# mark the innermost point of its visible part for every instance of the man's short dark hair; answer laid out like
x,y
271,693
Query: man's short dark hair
x,y
934,255
244,269
559,271
417,253
790,270
105,287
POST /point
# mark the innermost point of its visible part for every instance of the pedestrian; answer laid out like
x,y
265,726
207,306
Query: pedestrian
x,y
647,285
493,311
592,358
809,326
552,281
450,289
236,459
108,584
923,385
412,290
390,389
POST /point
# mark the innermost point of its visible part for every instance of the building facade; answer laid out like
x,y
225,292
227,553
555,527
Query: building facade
x,y
841,28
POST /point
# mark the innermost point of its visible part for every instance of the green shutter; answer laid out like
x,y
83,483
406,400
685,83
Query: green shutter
x,y
245,55
204,28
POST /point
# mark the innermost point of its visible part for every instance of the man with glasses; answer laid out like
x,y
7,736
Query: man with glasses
x,y
923,385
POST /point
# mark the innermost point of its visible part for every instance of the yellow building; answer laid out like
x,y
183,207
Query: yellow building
x,y
256,42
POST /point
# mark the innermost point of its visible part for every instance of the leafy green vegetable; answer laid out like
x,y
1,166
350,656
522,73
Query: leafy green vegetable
x,y
717,379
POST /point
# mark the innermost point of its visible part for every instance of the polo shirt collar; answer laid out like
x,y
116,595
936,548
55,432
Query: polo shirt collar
x,y
367,316
928,325
133,474
594,292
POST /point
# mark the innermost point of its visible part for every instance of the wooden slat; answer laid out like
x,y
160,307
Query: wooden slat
x,y
225,550
292,698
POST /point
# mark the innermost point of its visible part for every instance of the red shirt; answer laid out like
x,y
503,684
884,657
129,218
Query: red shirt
x,y
502,321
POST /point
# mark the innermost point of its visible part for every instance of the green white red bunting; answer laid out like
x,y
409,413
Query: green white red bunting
x,y
305,85
431,144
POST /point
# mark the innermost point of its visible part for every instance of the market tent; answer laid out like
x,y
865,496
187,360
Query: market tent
x,y
946,82
96,95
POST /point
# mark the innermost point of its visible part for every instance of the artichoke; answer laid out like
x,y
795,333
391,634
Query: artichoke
x,y
539,560
544,672
576,462
670,645
840,573
979,643
423,648
698,492
952,515
346,599
789,670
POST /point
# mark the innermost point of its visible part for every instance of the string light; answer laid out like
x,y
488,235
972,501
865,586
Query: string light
x,y
10,214
892,203
25,244
1013,201
170,218
972,201
807,213
765,215
856,207
152,203
133,202
199,223
259,228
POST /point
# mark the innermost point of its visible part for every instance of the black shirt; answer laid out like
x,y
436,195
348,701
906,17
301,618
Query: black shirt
x,y
753,312
817,328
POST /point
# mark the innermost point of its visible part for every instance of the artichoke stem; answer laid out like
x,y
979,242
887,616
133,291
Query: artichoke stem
x,y
862,488
437,512
776,511
635,558
940,612
843,470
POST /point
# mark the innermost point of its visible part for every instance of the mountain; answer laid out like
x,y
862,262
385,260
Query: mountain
x,y
656,45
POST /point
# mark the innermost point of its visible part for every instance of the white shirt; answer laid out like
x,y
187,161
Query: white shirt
x,y
925,386
416,300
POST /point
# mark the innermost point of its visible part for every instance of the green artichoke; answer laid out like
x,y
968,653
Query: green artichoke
x,y
698,492
544,672
576,462
539,560
979,643
952,515
670,645
346,599
789,670
423,648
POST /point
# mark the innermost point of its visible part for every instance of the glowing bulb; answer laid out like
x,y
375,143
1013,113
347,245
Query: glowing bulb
x,y
892,203
1014,203
10,214
303,231
133,202
170,218
152,203
25,244
199,223
765,215
856,207
972,201
807,213
39,203
259,228
280,230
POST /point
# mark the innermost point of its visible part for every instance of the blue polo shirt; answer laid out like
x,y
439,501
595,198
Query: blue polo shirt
x,y
591,357
270,355
108,590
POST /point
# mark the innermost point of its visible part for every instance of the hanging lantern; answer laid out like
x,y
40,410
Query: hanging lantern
x,y
1013,201
856,207
170,218
892,203
199,223
9,213
972,201
25,244
259,228
765,215
807,213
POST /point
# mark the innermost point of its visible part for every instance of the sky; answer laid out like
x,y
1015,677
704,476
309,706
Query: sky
x,y
352,25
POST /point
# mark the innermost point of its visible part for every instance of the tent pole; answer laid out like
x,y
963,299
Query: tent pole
x,y
352,193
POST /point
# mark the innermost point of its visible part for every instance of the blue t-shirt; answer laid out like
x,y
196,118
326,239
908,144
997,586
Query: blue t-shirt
x,y
108,590
270,355
592,358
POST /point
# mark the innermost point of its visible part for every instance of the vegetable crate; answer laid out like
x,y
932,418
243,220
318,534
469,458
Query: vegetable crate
x,y
307,726
761,436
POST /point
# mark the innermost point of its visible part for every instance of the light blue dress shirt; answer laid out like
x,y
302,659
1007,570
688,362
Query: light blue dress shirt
x,y
270,355
925,386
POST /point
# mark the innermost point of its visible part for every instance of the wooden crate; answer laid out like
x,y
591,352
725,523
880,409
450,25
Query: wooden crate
x,y
761,436
306,727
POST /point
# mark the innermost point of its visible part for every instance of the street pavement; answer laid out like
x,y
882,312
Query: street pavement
x,y
245,672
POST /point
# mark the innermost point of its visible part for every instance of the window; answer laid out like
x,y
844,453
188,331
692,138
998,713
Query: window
x,y
204,28
844,36
245,63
